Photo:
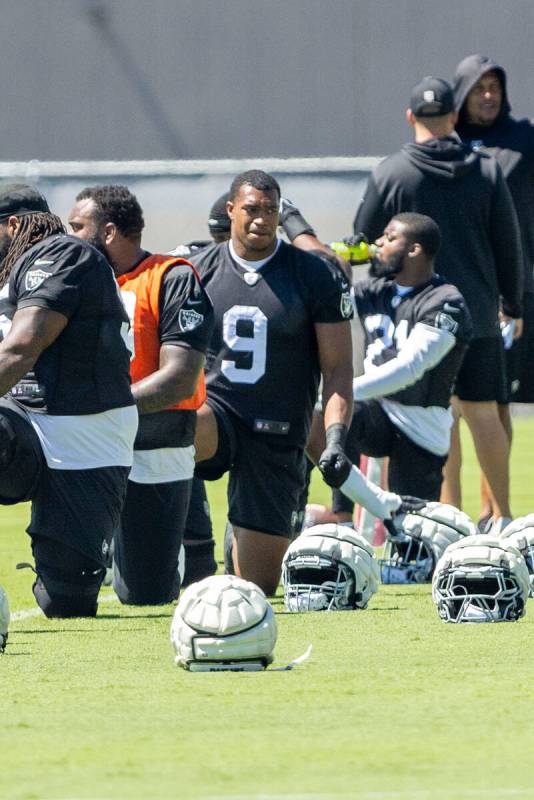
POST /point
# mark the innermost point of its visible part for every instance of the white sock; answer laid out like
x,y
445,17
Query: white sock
x,y
367,494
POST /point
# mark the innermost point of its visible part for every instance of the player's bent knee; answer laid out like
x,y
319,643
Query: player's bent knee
x,y
67,603
133,591
68,582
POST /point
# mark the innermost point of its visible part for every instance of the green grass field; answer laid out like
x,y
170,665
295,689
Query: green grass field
x,y
392,704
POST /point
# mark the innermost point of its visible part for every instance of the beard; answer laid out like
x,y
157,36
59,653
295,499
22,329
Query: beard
x,y
386,269
96,242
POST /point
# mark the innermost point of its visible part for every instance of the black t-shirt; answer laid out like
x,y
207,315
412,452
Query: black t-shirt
x,y
86,369
262,361
388,319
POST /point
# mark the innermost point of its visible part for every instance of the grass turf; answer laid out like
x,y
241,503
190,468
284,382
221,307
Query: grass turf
x,y
392,703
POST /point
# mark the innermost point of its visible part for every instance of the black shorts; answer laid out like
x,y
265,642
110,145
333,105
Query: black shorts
x,y
266,479
520,358
412,469
80,508
482,376
21,458
148,541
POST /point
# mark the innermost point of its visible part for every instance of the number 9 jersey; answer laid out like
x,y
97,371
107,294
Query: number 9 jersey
x,y
262,363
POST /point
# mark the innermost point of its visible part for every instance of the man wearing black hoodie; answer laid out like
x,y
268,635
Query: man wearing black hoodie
x,y
484,123
466,194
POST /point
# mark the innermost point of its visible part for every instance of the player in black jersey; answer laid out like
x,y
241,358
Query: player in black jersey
x,y
198,541
67,418
417,327
282,321
171,319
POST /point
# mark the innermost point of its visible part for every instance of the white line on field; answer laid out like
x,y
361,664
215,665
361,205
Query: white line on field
x,y
417,794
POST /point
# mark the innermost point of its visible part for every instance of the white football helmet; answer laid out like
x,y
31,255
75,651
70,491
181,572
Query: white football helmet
x,y
422,536
520,533
223,623
481,578
4,619
329,567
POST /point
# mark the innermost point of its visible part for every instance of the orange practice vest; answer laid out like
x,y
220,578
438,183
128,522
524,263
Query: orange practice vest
x,y
145,282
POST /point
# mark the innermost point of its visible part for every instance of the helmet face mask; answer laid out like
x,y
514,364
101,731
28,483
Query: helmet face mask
x,y
317,583
329,568
520,533
487,594
407,559
481,579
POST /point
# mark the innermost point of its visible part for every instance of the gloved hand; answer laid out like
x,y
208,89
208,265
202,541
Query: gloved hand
x,y
292,220
410,504
335,466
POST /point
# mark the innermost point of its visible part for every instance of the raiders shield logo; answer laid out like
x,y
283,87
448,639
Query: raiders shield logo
x,y
346,305
34,278
188,319
446,323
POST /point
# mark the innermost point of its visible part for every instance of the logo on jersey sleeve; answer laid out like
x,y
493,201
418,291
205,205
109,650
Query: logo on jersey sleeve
x,y
188,319
34,278
346,305
445,322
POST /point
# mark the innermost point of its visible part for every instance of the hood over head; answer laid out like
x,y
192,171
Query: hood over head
x,y
468,72
445,158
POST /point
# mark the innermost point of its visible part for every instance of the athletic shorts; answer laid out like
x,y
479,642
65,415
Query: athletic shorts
x,y
520,358
412,469
80,508
482,376
21,458
148,541
266,476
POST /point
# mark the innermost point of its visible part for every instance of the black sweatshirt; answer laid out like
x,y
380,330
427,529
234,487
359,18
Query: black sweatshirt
x,y
466,194
510,141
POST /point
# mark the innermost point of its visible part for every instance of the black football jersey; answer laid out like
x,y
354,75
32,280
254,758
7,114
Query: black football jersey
x,y
262,361
86,369
185,310
388,319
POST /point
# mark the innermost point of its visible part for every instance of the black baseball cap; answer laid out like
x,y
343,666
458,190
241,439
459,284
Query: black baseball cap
x,y
432,97
18,199
219,221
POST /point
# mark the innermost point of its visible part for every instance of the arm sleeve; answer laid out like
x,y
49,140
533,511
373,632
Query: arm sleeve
x,y
371,216
186,313
425,347
506,246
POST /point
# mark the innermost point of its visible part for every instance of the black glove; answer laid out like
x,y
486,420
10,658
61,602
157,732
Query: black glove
x,y
410,504
389,525
333,463
292,220
355,239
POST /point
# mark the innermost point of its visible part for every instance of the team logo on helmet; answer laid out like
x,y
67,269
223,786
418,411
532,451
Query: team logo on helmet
x,y
188,319
34,278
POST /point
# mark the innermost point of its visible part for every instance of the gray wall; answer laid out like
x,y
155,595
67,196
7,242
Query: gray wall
x,y
158,79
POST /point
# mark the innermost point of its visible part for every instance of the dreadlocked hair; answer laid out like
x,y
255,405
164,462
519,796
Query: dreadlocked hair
x,y
33,228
